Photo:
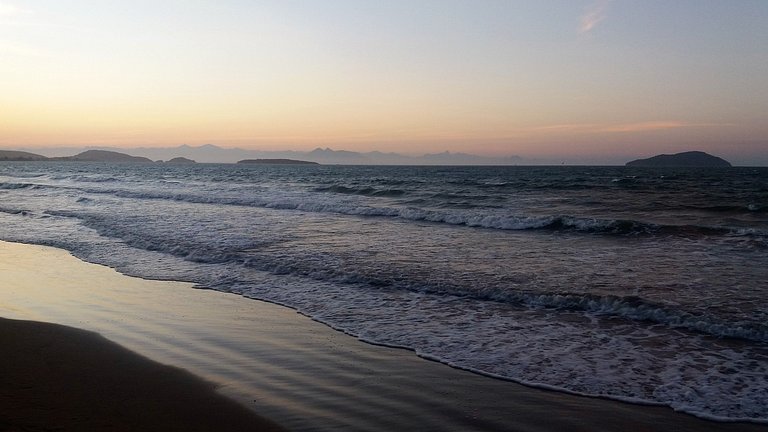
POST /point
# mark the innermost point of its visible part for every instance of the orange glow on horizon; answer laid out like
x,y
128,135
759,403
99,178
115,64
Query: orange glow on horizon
x,y
486,79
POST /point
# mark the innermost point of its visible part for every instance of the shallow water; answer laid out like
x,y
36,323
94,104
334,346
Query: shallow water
x,y
291,369
635,284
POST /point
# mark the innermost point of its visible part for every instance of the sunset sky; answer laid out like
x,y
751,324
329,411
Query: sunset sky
x,y
585,81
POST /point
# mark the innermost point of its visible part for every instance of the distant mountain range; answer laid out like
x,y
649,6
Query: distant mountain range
x,y
275,162
210,153
214,154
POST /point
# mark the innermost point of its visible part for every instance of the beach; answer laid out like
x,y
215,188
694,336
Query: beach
x,y
279,364
61,378
384,216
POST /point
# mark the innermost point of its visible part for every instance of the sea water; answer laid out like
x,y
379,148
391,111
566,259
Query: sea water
x,y
645,285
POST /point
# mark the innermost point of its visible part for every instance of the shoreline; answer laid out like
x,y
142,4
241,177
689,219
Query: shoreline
x,y
293,369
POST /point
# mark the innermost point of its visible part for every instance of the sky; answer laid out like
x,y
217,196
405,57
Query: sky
x,y
579,81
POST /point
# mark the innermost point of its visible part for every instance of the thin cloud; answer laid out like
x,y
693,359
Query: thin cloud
x,y
658,125
591,128
646,126
594,14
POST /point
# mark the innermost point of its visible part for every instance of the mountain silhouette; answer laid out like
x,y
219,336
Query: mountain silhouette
x,y
686,159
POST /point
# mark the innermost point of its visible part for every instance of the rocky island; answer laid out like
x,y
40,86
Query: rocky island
x,y
693,159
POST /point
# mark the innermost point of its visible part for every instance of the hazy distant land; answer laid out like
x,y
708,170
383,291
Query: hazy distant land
x,y
275,162
210,153
213,154
86,156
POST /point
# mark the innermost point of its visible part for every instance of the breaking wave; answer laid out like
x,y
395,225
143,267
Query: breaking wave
x,y
632,308
492,219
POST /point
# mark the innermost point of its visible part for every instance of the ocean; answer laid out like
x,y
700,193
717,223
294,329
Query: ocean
x,y
637,284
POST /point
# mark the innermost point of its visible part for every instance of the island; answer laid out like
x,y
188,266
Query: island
x,y
181,160
692,159
12,155
103,156
276,162
116,157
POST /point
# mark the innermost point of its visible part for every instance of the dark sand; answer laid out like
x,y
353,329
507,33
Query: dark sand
x,y
300,373
56,378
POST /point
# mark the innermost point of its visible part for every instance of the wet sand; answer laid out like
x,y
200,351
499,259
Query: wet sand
x,y
300,373
65,379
